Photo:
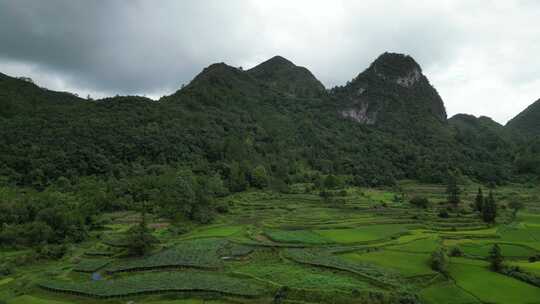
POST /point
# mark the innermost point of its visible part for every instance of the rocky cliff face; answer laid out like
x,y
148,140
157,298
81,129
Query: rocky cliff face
x,y
392,91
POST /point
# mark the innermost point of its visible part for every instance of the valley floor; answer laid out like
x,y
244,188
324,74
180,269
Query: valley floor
x,y
366,246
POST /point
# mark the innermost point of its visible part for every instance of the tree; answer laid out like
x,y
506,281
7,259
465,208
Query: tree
x,y
236,178
496,258
452,190
331,182
489,209
420,202
259,177
439,261
479,201
139,239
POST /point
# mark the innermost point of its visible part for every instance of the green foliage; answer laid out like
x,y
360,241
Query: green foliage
x,y
479,201
495,258
452,190
489,209
259,177
456,251
527,121
439,261
139,240
420,202
332,182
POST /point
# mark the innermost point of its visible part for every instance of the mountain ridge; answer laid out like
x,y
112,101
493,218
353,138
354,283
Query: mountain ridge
x,y
228,118
527,121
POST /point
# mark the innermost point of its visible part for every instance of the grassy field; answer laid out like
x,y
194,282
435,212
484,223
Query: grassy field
x,y
370,248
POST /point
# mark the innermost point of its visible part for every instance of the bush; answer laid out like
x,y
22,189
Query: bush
x,y
54,252
444,214
456,252
439,261
222,208
6,269
534,258
517,273
420,202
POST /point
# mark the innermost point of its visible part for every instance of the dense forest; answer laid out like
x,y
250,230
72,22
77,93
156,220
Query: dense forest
x,y
65,159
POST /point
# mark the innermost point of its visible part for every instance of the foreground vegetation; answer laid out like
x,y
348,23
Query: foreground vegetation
x,y
371,245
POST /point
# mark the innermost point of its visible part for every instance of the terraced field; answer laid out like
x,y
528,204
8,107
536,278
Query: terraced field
x,y
295,248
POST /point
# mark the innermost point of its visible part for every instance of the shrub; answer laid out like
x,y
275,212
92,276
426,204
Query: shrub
x,y
456,252
443,214
420,202
222,207
6,269
534,258
439,261
54,252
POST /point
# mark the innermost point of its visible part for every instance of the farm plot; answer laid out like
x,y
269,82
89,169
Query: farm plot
x,y
199,253
372,273
517,234
481,250
296,236
91,265
304,277
408,264
447,293
424,245
362,234
217,231
492,287
26,299
149,283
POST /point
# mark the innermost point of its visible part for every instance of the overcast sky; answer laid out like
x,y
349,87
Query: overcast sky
x,y
482,56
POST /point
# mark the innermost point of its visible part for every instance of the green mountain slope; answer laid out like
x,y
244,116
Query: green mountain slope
x,y
528,121
228,122
282,75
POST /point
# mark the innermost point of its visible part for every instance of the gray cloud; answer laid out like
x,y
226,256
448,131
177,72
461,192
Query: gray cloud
x,y
480,55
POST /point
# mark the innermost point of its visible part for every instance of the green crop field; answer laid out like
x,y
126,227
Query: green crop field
x,y
408,264
492,287
297,247
362,234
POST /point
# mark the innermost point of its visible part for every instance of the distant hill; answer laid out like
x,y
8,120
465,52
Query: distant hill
x,y
282,75
528,121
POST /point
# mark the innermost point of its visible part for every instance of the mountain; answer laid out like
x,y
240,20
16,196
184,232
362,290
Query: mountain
x,y
282,75
391,93
473,129
528,121
387,124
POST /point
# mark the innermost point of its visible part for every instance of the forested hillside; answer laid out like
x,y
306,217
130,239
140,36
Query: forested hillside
x,y
229,130
276,115
528,121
